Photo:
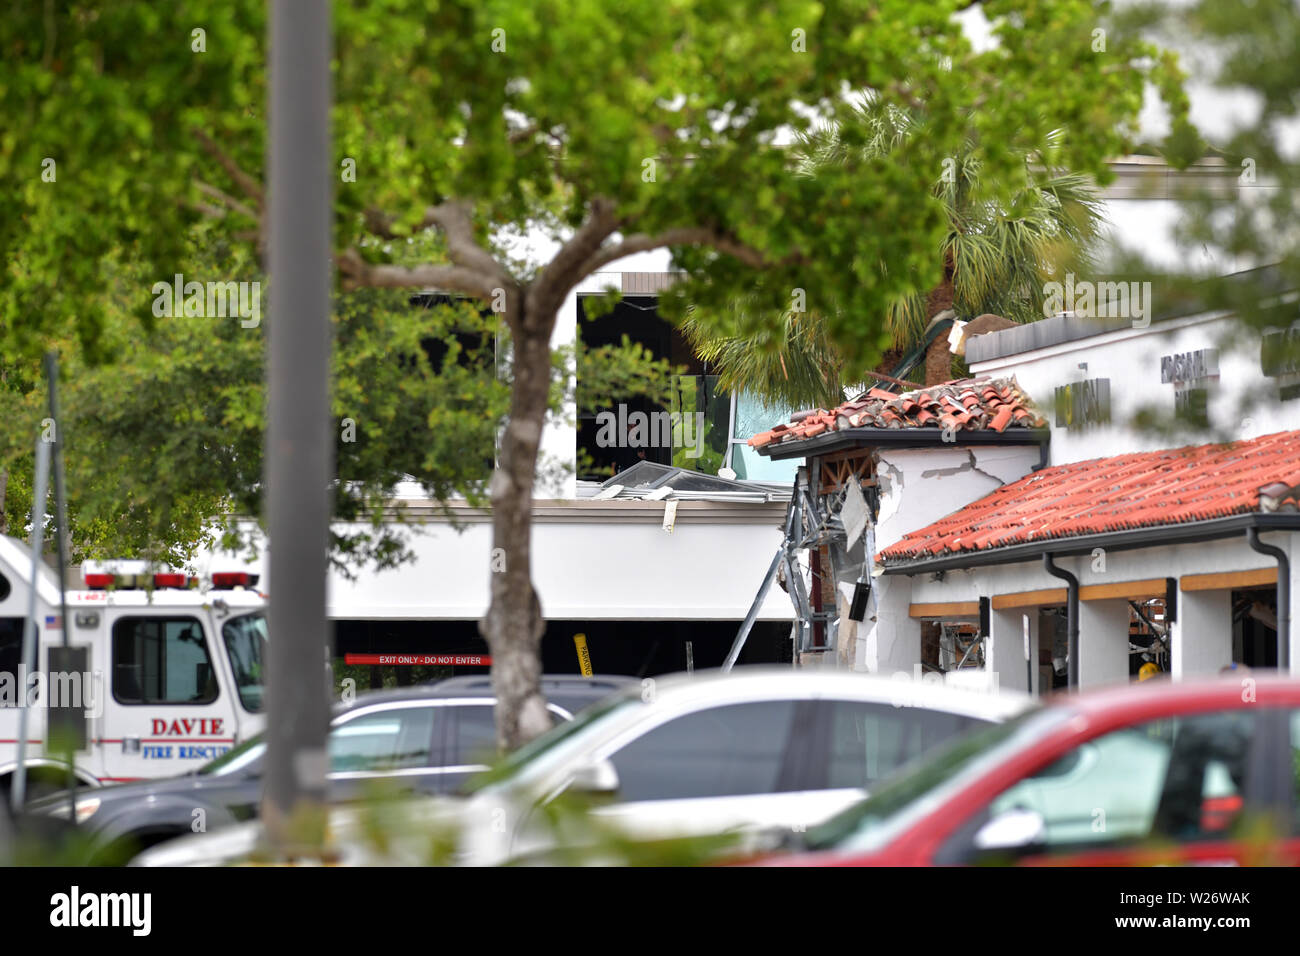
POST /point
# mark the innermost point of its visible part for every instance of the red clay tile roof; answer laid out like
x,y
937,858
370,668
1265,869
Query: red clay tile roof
x,y
1139,490
967,404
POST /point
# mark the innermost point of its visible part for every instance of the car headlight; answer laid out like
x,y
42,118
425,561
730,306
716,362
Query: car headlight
x,y
86,808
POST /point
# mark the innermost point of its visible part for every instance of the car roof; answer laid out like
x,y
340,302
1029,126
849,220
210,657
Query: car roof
x,y
765,682
1149,698
566,690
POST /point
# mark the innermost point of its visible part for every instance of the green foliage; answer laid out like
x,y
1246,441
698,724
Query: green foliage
x,y
610,374
1000,253
670,115
169,436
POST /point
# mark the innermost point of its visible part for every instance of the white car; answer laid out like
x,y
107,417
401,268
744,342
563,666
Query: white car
x,y
757,749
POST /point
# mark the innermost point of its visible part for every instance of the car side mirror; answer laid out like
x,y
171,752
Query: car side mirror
x,y
1014,829
597,777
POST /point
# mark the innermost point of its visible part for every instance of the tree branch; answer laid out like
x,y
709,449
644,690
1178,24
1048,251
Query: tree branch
x,y
229,200
457,226
249,184
568,267
356,273
454,219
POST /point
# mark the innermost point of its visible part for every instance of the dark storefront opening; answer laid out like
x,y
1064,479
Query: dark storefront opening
x,y
695,390
1254,627
636,648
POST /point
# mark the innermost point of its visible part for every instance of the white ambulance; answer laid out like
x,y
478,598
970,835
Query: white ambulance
x,y
162,679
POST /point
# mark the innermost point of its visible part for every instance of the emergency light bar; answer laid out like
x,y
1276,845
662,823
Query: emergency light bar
x,y
102,581
121,575
233,579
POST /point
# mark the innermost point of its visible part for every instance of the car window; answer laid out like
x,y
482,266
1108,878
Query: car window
x,y
1294,768
1180,779
723,751
908,796
869,741
391,739
161,660
476,733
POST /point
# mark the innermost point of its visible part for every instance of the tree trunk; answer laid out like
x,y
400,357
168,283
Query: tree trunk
x,y
513,625
938,357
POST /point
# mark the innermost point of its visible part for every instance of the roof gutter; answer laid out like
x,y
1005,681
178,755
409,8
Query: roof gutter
x,y
1283,595
844,439
1155,536
1071,618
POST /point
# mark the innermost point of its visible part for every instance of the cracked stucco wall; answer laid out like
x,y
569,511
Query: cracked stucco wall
x,y
919,486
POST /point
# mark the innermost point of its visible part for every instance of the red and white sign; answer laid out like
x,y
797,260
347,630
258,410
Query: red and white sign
x,y
444,660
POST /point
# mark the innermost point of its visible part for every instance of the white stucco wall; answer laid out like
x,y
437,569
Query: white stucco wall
x,y
1243,404
918,486
603,567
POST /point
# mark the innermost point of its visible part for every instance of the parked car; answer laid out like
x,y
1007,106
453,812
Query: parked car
x,y
695,755
428,739
1189,773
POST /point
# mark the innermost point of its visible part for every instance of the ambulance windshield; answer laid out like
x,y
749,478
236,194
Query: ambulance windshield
x,y
245,639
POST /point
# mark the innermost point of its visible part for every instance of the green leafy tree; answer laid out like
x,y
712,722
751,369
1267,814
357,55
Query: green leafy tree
x,y
995,255
609,129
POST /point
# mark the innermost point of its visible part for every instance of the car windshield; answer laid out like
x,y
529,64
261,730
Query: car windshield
x,y
926,783
245,639
236,758
537,757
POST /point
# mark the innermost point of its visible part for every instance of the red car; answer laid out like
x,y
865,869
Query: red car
x,y
1203,772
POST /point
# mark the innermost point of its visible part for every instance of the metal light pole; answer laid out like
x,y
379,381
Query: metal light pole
x,y
298,449
18,789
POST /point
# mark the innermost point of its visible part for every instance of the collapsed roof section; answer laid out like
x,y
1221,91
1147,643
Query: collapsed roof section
x,y
965,411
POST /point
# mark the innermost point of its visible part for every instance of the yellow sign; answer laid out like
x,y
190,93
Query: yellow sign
x,y
584,655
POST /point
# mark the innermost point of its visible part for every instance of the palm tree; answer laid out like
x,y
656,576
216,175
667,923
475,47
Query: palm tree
x,y
996,258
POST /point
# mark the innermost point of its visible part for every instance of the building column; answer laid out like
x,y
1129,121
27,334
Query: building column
x,y
1004,648
891,643
1202,635
1103,642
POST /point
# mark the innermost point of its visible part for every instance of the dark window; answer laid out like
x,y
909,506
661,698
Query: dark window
x,y
391,739
162,660
11,648
476,733
869,741
737,749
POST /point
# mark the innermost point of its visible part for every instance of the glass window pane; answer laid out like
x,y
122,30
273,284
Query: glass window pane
x,y
747,463
245,639
700,414
870,741
161,660
1177,779
476,734
754,416
386,740
724,751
